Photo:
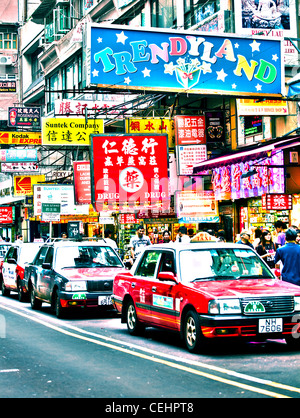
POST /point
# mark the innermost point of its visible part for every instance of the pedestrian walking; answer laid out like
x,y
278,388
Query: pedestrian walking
x,y
266,249
280,234
108,240
182,235
138,242
289,255
245,238
166,237
257,237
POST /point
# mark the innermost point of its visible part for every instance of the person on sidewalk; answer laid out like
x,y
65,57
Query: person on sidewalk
x,y
245,238
289,255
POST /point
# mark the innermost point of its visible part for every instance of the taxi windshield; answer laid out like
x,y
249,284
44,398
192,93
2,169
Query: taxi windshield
x,y
86,256
221,264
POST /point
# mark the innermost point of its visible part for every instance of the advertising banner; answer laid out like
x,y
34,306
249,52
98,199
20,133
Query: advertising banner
x,y
197,206
228,182
273,19
21,138
82,182
190,130
69,131
57,193
19,167
18,155
23,185
24,116
6,215
183,61
8,86
129,172
188,156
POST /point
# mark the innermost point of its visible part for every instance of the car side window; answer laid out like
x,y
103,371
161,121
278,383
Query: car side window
x,y
148,264
49,256
12,253
41,256
167,263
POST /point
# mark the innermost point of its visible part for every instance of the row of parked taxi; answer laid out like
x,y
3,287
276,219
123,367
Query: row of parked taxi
x,y
62,273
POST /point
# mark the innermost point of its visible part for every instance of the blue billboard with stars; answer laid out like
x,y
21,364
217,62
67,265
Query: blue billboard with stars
x,y
196,62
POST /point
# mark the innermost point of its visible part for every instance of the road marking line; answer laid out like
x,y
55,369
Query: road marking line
x,y
9,371
168,363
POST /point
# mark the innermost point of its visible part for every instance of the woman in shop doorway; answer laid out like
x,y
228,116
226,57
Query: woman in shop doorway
x,y
266,249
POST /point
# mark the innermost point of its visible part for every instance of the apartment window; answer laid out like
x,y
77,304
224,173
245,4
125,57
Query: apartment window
x,y
163,15
36,71
8,40
195,11
53,87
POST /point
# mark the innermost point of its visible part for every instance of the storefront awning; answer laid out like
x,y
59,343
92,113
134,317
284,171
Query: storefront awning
x,y
259,151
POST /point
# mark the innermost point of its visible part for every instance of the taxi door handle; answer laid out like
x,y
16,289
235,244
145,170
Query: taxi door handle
x,y
153,289
132,285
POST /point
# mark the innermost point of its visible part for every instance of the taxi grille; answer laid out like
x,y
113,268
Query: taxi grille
x,y
99,285
272,305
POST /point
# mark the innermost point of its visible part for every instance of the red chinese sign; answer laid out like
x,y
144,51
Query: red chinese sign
x,y
129,172
82,182
6,215
190,130
277,201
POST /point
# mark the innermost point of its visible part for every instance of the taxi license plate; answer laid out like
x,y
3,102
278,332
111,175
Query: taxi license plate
x,y
269,325
104,300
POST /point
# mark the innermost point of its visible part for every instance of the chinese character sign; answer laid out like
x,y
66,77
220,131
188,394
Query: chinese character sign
x,y
128,58
229,184
152,126
6,215
129,171
69,131
190,130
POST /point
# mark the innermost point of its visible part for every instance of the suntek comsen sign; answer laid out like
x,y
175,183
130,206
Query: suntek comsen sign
x,y
122,57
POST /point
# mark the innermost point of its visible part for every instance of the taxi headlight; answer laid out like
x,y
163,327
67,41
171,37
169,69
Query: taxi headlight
x,y
75,286
297,303
224,306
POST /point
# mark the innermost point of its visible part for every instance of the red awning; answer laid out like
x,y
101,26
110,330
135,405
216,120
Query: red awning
x,y
249,153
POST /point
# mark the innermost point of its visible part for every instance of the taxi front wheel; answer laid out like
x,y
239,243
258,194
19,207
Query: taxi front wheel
x,y
193,337
133,324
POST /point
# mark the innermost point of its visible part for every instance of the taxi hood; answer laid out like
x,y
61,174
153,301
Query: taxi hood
x,y
245,288
91,273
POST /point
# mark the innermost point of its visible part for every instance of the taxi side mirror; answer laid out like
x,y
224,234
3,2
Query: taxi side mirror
x,y
167,276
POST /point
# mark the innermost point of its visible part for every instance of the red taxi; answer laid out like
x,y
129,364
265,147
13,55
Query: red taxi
x,y
207,291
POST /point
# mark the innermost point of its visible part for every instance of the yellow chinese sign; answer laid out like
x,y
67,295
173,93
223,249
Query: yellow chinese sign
x,y
21,138
23,185
152,126
70,131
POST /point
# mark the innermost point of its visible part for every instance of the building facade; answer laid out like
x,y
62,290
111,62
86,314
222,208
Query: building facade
x,y
54,63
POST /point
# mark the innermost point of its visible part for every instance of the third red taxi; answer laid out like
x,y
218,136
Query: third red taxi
x,y
207,291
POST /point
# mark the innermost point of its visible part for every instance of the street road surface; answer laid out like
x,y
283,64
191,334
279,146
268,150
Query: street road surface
x,y
91,355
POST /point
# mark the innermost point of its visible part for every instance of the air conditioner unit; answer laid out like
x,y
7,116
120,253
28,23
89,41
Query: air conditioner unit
x,y
4,60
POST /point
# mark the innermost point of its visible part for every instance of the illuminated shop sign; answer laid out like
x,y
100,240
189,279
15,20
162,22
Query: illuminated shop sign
x,y
228,182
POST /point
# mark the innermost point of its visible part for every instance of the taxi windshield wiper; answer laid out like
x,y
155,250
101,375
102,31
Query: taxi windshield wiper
x,y
217,277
